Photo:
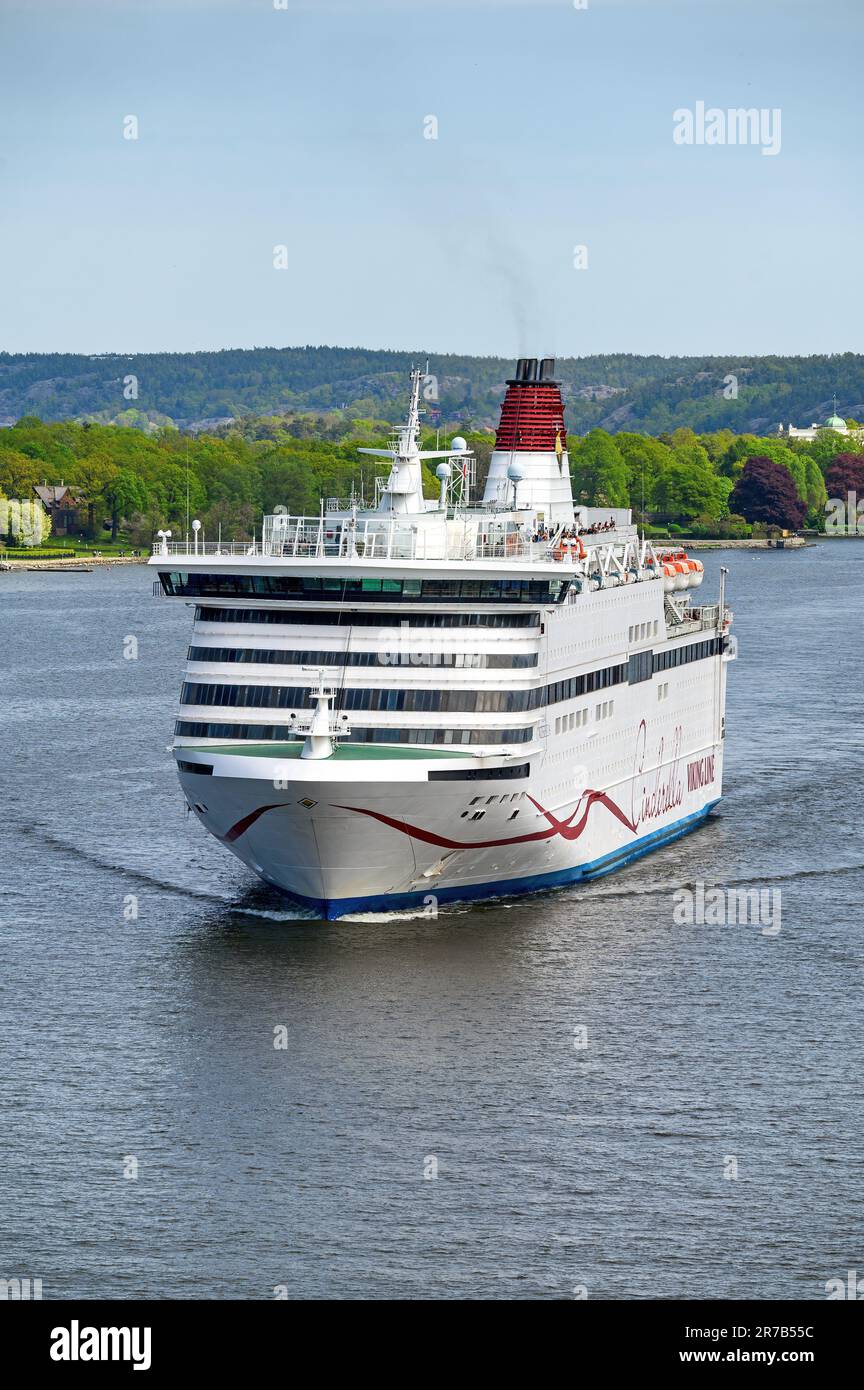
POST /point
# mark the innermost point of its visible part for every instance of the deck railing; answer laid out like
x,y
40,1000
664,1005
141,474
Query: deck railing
x,y
376,539
706,616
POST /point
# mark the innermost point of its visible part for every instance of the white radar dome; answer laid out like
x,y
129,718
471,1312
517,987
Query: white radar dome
x,y
515,473
443,471
459,445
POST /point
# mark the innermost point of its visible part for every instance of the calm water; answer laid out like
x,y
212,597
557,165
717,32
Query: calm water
x,y
153,1038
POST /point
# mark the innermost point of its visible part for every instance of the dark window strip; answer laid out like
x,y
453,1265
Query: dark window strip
x,y
640,667
178,584
479,774
332,617
283,733
682,656
401,700
469,661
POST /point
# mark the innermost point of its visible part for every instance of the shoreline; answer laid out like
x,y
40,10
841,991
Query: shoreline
x,y
758,543
73,562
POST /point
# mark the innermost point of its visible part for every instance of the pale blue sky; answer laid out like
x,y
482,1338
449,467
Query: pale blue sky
x,y
304,127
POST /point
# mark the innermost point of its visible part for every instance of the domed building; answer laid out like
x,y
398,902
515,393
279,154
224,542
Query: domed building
x,y
834,422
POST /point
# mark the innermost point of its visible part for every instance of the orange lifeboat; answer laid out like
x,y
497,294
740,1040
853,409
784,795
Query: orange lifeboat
x,y
569,549
680,572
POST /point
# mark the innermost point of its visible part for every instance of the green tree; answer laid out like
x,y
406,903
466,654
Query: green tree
x,y
19,473
645,459
125,495
685,492
91,478
815,491
716,444
826,446
599,472
169,488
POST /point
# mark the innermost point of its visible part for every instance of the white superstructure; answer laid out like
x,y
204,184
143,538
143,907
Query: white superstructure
x,y
432,699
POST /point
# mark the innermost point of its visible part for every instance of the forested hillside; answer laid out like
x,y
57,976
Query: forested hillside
x,y
615,392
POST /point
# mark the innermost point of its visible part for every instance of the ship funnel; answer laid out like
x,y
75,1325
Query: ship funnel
x,y
532,435
526,372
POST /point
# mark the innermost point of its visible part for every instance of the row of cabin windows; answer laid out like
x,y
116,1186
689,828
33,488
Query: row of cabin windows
x,y
576,719
283,733
638,632
334,617
317,587
415,701
293,697
472,661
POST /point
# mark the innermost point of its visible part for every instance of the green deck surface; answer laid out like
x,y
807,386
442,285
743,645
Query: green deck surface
x,y
343,752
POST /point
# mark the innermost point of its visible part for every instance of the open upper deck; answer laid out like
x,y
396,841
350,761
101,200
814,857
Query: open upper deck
x,y
466,536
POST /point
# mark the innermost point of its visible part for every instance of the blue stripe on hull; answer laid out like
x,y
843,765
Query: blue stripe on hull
x,y
333,908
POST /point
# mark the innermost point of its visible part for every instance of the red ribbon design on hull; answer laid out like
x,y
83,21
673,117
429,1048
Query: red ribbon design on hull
x,y
243,825
656,800
569,829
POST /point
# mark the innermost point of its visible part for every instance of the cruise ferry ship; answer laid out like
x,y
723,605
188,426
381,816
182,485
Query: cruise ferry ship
x,y
426,700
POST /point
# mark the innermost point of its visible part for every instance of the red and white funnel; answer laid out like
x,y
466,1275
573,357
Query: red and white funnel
x,y
530,457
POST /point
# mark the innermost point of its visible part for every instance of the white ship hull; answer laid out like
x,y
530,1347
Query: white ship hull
x,y
351,846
